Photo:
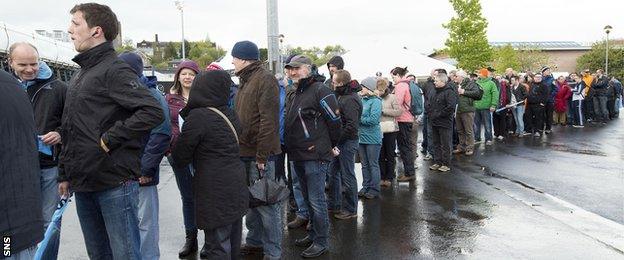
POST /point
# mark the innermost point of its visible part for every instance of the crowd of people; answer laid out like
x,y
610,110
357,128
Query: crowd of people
x,y
103,136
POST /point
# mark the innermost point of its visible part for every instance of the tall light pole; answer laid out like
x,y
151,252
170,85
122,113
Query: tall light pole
x,y
607,30
180,5
273,36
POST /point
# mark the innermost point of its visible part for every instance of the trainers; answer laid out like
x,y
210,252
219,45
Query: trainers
x,y
500,137
444,168
345,215
297,222
469,152
537,134
488,142
434,167
427,157
405,178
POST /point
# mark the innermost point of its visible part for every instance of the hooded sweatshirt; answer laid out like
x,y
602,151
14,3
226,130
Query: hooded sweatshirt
x,y
490,94
350,109
338,62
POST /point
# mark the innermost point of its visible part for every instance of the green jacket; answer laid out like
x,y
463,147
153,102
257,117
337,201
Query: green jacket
x,y
490,94
467,100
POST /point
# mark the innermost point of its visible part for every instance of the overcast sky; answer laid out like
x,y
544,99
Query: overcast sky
x,y
416,24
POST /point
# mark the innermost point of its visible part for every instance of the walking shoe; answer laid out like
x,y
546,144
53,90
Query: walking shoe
x,y
251,250
385,183
444,168
406,178
456,151
313,251
297,222
488,142
469,152
345,215
548,131
190,244
434,167
304,242
427,157
537,134
500,137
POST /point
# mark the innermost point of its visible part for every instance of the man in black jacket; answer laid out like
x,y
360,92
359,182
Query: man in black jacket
x,y
536,103
442,103
601,97
312,131
20,194
47,95
107,112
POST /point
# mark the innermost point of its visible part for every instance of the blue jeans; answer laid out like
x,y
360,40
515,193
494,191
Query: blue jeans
x,y
148,222
370,168
49,201
265,222
518,113
224,242
483,117
311,176
302,207
601,111
109,222
26,254
343,185
184,180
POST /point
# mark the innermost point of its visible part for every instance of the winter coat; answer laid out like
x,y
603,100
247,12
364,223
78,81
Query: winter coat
x,y
390,110
338,62
600,85
442,107
588,79
578,91
207,141
156,143
504,96
561,99
490,94
538,94
370,131
312,125
47,95
257,106
105,103
350,110
175,103
549,81
402,93
20,195
520,92
466,100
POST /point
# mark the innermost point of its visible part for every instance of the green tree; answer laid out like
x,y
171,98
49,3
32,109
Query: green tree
x,y
170,52
505,57
187,48
319,56
532,59
204,52
595,59
127,45
264,54
468,42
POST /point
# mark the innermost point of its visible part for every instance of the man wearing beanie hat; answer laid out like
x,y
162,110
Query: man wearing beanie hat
x,y
257,106
334,64
312,128
155,144
485,106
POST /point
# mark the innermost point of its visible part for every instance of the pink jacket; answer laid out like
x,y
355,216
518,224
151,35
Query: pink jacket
x,y
402,93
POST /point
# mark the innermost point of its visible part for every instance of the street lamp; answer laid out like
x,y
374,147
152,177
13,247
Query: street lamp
x,y
607,30
180,6
280,63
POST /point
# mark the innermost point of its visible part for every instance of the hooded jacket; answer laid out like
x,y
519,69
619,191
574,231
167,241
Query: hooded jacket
x,y
370,131
257,106
561,99
490,94
47,96
338,62
312,125
600,85
442,107
466,100
105,103
390,110
20,195
350,110
538,94
207,141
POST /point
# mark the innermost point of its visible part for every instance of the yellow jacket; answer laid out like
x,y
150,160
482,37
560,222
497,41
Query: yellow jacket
x,y
588,79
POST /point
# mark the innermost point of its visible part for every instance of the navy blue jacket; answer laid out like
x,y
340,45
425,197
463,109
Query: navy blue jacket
x,y
157,142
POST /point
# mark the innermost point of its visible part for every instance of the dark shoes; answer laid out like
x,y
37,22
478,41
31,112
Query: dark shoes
x,y
297,222
405,178
345,215
304,242
313,251
190,245
251,250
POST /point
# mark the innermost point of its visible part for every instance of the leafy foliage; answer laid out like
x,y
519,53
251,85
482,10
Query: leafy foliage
x,y
467,41
595,59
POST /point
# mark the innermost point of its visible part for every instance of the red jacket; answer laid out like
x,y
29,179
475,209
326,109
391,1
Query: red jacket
x,y
562,97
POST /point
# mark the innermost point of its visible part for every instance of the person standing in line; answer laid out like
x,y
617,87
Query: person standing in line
x,y
520,91
370,139
468,91
536,103
442,108
390,128
561,101
549,80
577,101
406,123
334,64
485,106
176,100
500,119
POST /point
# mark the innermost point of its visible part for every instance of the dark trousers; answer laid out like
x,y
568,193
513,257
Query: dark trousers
x,y
577,112
500,123
534,118
404,141
224,242
601,112
281,173
425,143
387,157
611,108
548,115
588,108
442,145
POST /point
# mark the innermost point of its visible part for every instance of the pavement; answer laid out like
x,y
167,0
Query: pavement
x,y
556,197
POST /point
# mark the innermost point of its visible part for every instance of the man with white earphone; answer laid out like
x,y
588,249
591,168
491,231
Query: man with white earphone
x,y
107,112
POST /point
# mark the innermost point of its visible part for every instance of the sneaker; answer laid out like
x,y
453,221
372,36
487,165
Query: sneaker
x,y
488,142
500,137
345,215
537,134
469,152
406,178
444,168
427,157
547,131
578,126
434,167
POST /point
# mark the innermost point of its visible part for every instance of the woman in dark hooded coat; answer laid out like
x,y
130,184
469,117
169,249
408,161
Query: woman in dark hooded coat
x,y
208,142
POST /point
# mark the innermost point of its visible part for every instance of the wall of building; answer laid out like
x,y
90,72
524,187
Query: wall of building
x,y
565,61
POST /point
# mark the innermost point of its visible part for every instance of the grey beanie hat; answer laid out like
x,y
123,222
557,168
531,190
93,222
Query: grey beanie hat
x,y
370,83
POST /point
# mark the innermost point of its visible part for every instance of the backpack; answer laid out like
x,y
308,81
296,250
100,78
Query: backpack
x,y
480,96
416,106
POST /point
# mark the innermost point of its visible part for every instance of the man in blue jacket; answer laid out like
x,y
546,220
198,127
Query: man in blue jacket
x,y
156,144
549,81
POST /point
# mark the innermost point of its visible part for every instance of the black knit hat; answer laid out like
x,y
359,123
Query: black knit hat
x,y
246,50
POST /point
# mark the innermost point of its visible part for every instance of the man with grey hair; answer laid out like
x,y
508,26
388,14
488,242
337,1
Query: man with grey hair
x,y
468,91
311,132
442,104
47,95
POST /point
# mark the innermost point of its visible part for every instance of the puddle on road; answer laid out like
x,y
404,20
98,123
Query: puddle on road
x,y
564,148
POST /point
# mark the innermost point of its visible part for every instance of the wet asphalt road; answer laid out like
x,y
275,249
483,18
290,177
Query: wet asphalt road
x,y
556,197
